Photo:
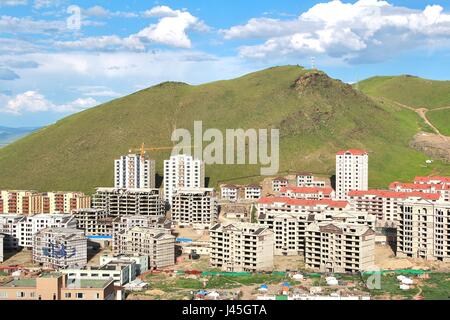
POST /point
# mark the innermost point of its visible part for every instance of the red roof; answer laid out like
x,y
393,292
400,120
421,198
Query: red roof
x,y
432,178
394,194
309,190
303,202
355,152
418,186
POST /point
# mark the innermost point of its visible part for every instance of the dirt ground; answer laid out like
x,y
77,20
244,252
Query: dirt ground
x,y
385,260
284,263
21,258
193,234
432,144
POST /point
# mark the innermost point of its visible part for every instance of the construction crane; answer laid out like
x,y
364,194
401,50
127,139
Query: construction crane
x,y
143,149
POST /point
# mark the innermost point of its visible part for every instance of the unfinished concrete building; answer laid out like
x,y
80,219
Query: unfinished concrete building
x,y
156,243
240,247
95,222
60,248
1,247
119,202
9,226
339,247
196,207
424,230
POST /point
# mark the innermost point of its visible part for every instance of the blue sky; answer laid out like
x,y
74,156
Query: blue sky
x,y
58,57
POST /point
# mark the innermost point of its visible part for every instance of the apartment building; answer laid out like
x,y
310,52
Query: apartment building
x,y
1,247
20,229
182,171
95,222
278,183
432,180
9,226
351,171
305,179
60,248
229,192
56,286
196,207
141,262
134,171
441,188
384,204
310,193
424,230
252,192
122,272
156,243
238,247
32,202
339,247
117,202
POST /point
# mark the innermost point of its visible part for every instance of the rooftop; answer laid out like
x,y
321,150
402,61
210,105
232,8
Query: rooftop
x,y
88,283
21,283
354,152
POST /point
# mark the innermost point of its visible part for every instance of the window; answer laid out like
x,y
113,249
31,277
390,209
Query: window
x,y
20,294
79,295
3,294
68,295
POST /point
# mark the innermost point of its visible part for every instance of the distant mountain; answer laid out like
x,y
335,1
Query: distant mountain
x,y
9,135
316,115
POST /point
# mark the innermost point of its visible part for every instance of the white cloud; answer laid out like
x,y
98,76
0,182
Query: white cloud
x,y
16,25
39,4
12,3
101,12
171,30
33,102
364,31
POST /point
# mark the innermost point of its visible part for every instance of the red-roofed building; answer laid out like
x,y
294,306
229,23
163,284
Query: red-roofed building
x,y
442,189
352,171
432,180
305,179
384,203
312,193
278,183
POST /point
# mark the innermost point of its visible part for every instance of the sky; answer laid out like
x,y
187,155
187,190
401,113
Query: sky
x,y
58,57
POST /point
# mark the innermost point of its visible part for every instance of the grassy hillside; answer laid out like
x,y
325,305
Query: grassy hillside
x,y
412,91
316,116
441,120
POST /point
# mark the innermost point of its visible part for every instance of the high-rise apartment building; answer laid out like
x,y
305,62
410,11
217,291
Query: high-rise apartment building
x,y
134,171
182,171
351,171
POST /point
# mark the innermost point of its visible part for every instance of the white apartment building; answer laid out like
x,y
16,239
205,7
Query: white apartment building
x,y
140,261
311,193
95,222
119,202
229,192
122,272
309,180
133,171
156,243
1,247
352,171
339,247
60,248
432,180
252,192
196,207
441,188
239,247
424,230
278,183
384,204
182,171
20,229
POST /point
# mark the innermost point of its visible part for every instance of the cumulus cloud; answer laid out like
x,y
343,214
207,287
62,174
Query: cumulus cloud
x,y
8,74
171,29
33,101
14,25
364,31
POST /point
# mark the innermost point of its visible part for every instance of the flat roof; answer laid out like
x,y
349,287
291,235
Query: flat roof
x,y
22,283
50,274
88,283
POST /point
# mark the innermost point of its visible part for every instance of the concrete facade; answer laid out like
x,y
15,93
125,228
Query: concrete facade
x,y
131,171
352,171
60,248
240,247
339,247
95,222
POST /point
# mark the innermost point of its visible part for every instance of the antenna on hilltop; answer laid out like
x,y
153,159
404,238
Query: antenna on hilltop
x,y
313,62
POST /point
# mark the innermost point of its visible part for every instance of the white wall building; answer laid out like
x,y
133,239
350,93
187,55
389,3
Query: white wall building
x,y
229,192
309,180
238,247
352,171
252,192
134,171
60,248
182,171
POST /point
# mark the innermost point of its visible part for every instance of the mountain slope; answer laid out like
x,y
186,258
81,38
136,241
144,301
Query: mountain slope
x,y
316,116
409,90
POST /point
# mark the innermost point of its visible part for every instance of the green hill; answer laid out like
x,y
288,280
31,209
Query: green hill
x,y
412,91
316,115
